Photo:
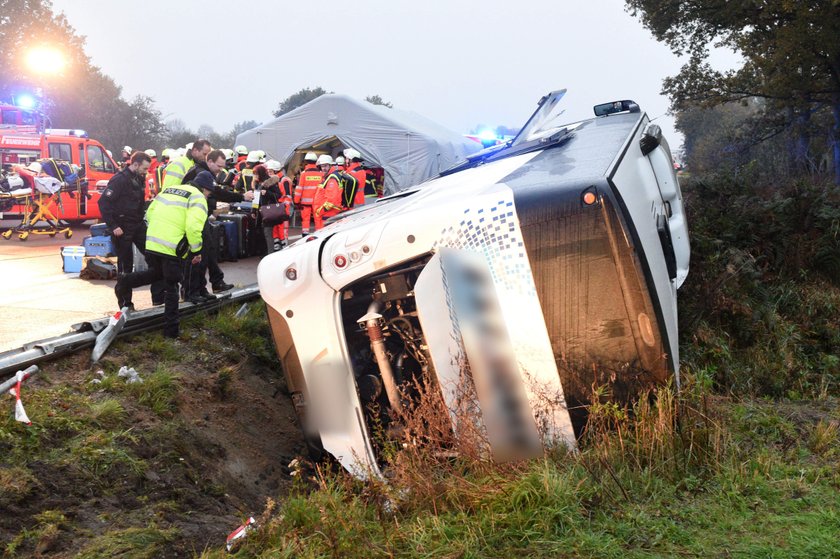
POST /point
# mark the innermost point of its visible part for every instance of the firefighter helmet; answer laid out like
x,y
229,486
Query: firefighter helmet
x,y
151,153
253,157
273,164
127,149
352,154
325,160
339,160
311,157
241,150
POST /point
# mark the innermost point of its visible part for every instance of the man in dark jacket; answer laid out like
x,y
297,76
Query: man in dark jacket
x,y
122,205
195,284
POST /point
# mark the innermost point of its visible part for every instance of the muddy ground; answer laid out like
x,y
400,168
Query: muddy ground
x,y
169,469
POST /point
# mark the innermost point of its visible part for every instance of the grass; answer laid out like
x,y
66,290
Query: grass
x,y
136,543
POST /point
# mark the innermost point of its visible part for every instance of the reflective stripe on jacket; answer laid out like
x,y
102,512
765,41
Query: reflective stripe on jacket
x,y
356,171
176,219
307,186
176,170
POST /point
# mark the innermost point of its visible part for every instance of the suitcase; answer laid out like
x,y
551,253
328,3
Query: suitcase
x,y
231,241
242,222
100,230
217,235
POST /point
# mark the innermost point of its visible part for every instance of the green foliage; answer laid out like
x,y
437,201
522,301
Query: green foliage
x,y
299,99
791,62
134,543
758,310
377,100
645,489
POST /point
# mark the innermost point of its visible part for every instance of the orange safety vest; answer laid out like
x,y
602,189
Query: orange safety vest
x,y
310,180
285,186
356,171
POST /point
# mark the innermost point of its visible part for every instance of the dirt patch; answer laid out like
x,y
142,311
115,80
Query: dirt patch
x,y
163,469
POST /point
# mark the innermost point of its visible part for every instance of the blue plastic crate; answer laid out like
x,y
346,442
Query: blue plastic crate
x,y
98,246
72,258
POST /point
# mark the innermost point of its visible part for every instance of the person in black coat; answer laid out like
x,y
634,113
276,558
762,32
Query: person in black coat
x,y
123,205
195,282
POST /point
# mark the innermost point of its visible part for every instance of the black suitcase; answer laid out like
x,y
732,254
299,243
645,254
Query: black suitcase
x,y
217,234
256,238
242,222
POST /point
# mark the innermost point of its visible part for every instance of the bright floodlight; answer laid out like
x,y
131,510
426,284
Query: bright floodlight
x,y
45,60
25,101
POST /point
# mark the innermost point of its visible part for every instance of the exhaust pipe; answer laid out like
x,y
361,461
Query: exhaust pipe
x,y
372,322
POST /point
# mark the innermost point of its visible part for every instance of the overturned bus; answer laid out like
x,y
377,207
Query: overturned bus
x,y
540,269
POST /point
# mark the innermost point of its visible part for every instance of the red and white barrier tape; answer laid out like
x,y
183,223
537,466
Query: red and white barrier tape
x,y
20,413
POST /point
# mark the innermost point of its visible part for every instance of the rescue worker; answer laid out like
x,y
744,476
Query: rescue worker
x,y
310,178
150,174
195,284
328,196
246,174
355,170
160,171
241,157
126,154
176,219
339,162
122,205
281,232
178,168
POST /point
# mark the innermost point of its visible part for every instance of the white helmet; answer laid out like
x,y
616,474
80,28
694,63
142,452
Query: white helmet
x,y
189,146
339,160
151,153
166,153
229,154
261,153
180,152
253,157
273,164
108,151
241,150
352,154
35,167
325,160
310,156
127,149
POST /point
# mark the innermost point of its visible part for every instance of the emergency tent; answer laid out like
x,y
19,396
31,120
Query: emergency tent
x,y
409,147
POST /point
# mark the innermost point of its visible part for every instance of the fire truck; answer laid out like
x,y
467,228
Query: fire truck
x,y
22,141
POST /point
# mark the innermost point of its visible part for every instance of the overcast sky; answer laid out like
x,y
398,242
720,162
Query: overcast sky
x,y
459,63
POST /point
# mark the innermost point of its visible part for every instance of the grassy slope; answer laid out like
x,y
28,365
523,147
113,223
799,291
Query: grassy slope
x,y
150,469
757,475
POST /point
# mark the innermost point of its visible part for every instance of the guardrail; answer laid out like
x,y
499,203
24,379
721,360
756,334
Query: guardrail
x,y
83,335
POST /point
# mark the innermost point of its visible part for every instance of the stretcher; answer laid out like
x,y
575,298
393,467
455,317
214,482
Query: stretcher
x,y
40,200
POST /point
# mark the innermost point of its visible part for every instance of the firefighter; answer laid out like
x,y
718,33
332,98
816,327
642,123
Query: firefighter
x,y
160,171
150,174
122,205
328,196
283,195
356,170
241,157
176,220
246,174
308,182
178,168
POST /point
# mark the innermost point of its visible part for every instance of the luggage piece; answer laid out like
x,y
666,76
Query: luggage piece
x,y
98,246
242,222
231,241
98,269
242,207
140,264
72,259
217,234
100,230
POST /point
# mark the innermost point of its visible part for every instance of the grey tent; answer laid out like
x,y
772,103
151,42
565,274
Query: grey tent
x,y
409,147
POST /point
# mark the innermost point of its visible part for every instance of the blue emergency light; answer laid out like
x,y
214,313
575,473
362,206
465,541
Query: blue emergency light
x,y
25,101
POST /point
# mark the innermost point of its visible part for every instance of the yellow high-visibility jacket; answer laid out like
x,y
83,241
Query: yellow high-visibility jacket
x,y
176,170
176,219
